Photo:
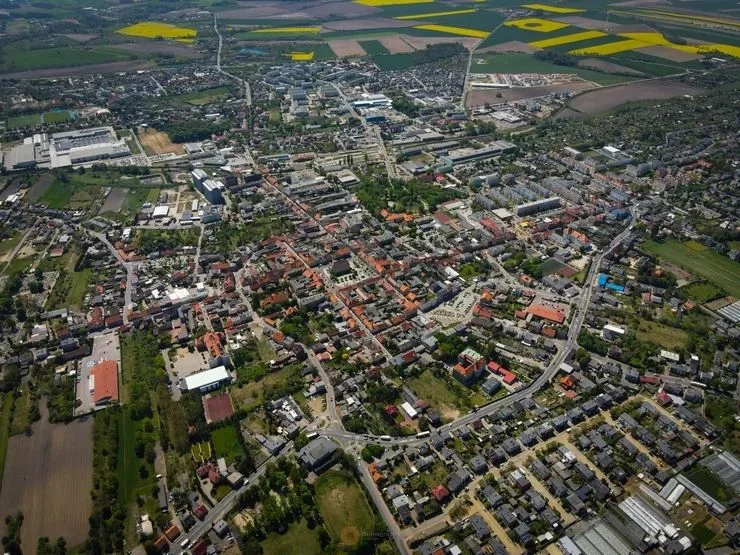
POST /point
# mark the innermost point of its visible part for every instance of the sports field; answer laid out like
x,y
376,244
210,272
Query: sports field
x,y
343,507
701,261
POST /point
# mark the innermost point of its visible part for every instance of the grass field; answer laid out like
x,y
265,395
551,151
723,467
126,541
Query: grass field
x,y
703,292
707,481
21,412
253,394
343,507
7,245
201,98
6,410
70,289
298,534
665,336
700,260
437,392
65,56
226,444
20,122
57,116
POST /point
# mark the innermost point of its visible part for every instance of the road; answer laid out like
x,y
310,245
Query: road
x,y
227,504
245,84
393,529
130,267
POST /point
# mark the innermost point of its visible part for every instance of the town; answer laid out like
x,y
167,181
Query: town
x,y
332,304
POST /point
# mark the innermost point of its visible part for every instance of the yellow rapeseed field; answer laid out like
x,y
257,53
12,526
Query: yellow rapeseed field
x,y
635,41
460,31
536,24
309,29
436,14
153,29
381,3
552,9
567,39
301,56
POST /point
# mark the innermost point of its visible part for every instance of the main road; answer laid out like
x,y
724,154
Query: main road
x,y
247,90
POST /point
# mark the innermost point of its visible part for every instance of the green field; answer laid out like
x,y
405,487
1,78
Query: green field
x,y
526,63
21,122
70,289
703,292
343,505
438,392
57,116
7,245
373,47
6,409
706,480
226,444
701,261
659,334
298,534
21,60
207,96
22,412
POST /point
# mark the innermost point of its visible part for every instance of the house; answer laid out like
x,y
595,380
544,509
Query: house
x,y
440,493
491,386
458,480
478,464
481,529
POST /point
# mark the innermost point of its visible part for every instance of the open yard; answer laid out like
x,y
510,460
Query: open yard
x,y
253,394
710,483
207,96
48,478
298,534
701,261
343,507
436,391
659,334
703,292
158,142
226,443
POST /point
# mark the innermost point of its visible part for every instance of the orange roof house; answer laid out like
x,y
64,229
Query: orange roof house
x,y
104,382
553,313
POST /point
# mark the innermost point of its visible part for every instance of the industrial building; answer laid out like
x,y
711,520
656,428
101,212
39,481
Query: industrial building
x,y
67,148
209,188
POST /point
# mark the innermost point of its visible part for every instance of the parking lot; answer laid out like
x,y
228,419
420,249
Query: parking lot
x,y
182,365
106,346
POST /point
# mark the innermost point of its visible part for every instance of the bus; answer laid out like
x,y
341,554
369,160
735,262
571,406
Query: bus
x,y
423,434
312,435
385,438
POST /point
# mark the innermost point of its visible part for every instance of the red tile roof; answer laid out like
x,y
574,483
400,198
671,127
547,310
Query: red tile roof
x,y
105,382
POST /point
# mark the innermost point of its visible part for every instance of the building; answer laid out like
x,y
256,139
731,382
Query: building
x,y
536,206
104,383
206,380
469,367
318,455
209,188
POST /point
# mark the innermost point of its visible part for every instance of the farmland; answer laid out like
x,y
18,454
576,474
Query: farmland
x,y
153,29
52,470
16,59
701,261
659,334
158,142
